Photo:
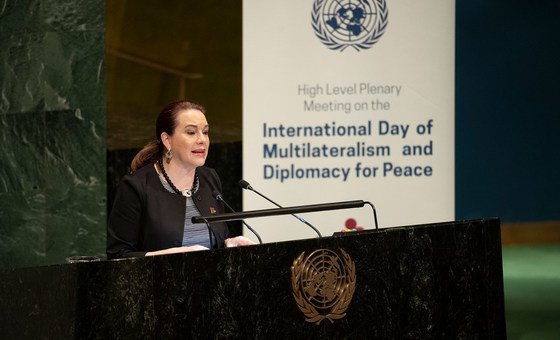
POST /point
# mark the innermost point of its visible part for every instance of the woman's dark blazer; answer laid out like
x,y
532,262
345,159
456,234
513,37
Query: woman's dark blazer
x,y
146,217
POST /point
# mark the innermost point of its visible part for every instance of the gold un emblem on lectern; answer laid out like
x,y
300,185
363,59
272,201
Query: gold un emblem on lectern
x,y
323,284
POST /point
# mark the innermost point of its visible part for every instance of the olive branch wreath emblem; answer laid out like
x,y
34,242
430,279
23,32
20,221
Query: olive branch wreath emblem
x,y
327,40
338,311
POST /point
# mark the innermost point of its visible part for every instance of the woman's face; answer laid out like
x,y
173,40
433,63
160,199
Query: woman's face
x,y
189,142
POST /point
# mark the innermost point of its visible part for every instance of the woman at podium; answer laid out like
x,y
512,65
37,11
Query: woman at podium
x,y
168,185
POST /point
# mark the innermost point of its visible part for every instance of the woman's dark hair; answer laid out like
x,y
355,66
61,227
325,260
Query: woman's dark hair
x,y
166,122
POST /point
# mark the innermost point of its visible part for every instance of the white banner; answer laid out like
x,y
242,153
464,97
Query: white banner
x,y
348,100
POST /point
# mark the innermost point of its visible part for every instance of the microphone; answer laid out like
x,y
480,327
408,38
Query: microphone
x,y
219,197
245,185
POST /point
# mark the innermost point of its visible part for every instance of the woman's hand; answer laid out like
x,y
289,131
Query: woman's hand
x,y
176,250
238,241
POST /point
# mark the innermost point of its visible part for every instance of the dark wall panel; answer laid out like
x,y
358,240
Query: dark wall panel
x,y
507,112
52,129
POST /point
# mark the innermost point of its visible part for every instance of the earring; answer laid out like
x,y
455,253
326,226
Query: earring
x,y
168,156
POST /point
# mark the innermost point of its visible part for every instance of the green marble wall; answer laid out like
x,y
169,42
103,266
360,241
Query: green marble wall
x,y
52,131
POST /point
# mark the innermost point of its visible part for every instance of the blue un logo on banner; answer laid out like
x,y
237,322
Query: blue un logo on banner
x,y
356,23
